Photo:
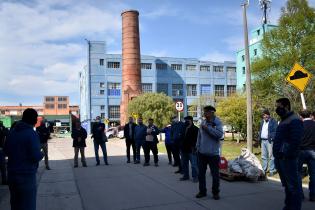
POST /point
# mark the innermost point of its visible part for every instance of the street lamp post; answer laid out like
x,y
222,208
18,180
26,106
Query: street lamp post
x,y
248,83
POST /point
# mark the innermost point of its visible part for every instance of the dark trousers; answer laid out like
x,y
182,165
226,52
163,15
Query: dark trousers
x,y
3,169
138,149
44,147
22,191
291,180
213,162
308,157
103,147
130,143
169,152
150,146
176,154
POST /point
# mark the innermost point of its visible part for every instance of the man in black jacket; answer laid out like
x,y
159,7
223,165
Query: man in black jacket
x,y
150,144
44,134
177,135
307,153
188,149
99,139
129,132
79,136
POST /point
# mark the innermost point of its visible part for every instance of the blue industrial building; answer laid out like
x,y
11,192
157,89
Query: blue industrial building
x,y
184,79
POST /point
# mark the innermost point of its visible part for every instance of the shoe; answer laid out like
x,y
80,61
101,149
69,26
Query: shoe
x,y
137,162
201,195
48,168
156,164
178,172
184,179
146,164
84,165
312,199
195,180
128,161
216,196
75,166
106,164
97,164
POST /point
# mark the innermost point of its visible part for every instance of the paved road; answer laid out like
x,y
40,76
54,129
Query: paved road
x,y
127,186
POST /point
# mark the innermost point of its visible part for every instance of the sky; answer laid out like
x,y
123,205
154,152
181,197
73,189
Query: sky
x,y
43,47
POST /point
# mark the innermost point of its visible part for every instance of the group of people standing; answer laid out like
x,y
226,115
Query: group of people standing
x,y
287,145
185,143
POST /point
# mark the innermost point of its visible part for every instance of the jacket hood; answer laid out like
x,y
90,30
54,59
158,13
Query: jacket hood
x,y
22,126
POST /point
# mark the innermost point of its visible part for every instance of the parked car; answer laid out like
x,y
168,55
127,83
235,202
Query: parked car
x,y
111,132
121,132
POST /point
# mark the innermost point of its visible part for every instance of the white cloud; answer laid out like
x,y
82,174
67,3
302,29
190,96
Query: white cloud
x,y
217,57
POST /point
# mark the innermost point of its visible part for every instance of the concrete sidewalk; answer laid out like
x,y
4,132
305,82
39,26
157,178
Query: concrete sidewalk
x,y
129,186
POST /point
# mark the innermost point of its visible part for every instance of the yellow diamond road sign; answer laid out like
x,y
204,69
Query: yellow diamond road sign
x,y
299,77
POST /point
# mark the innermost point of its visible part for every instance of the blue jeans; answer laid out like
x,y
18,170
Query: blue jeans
x,y
138,148
267,156
22,191
308,157
103,147
291,180
186,157
3,170
214,163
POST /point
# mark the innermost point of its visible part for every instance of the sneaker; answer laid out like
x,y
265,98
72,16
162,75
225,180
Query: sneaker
x,y
184,179
216,196
201,195
156,164
178,172
146,164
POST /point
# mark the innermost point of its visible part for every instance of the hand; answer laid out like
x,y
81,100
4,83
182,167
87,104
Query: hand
x,y
204,127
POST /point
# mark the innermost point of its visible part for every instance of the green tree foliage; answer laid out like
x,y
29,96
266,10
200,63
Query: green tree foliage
x,y
293,41
232,111
157,106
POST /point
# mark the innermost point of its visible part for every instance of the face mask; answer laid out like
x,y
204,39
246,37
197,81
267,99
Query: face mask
x,y
281,111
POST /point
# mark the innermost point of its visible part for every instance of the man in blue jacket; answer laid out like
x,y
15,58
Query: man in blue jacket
x,y
150,144
140,135
23,150
267,132
286,149
177,137
208,147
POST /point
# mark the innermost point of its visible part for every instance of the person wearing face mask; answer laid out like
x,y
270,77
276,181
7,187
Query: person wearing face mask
x,y
189,150
286,150
150,144
267,133
177,135
99,139
140,137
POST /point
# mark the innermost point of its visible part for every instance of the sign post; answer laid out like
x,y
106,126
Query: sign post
x,y
299,77
179,107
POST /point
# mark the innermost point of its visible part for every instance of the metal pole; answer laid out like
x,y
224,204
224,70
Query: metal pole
x,y
248,84
303,101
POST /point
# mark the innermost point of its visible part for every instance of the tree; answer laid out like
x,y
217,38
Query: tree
x,y
232,111
157,106
292,41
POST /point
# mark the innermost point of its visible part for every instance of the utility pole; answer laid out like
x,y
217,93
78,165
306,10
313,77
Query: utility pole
x,y
248,82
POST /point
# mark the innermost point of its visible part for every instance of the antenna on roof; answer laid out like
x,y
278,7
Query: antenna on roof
x,y
265,5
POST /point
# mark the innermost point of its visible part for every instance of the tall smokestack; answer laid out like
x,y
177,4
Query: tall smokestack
x,y
131,67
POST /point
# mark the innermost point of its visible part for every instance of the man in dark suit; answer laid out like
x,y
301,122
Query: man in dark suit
x,y
267,132
129,132
99,139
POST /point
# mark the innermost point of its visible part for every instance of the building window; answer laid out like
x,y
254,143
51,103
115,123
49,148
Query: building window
x,y
205,90
176,67
218,68
146,66
146,88
62,106
243,58
204,68
219,90
102,85
49,106
192,111
101,62
113,89
114,112
258,32
162,88
113,65
161,66
191,67
231,69
191,90
50,99
231,89
177,90
255,52
244,70
62,98
102,115
102,92
102,107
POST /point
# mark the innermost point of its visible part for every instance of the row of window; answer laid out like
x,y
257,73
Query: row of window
x,y
52,106
113,112
255,54
52,99
114,89
176,67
